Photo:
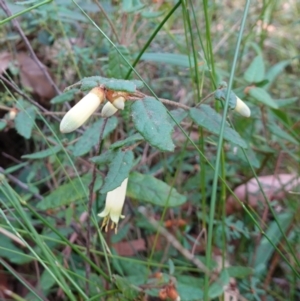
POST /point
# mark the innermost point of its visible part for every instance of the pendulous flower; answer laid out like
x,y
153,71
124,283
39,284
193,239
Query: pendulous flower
x,y
79,114
113,206
242,108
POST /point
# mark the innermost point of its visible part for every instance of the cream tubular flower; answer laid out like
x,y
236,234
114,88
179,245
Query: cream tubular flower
x,y
108,110
242,108
79,114
113,206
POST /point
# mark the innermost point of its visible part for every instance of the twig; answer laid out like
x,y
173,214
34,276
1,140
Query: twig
x,y
205,98
27,43
67,251
202,233
17,90
108,20
174,104
90,203
174,242
129,31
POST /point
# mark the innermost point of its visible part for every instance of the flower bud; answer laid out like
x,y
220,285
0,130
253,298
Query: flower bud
x,y
79,114
242,108
119,102
108,110
117,98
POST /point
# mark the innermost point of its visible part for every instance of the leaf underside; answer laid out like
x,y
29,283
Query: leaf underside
x,y
209,119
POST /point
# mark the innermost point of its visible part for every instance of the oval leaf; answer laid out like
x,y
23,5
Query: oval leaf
x,y
64,97
277,131
178,115
274,71
149,189
117,66
130,86
69,193
263,96
208,118
24,122
256,71
217,288
44,153
90,138
128,141
118,171
151,120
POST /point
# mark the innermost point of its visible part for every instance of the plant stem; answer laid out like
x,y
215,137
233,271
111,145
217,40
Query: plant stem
x,y
90,203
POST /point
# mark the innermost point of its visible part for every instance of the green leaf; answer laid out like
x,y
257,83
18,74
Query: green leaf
x,y
152,14
217,288
180,60
104,158
189,292
88,83
179,115
44,153
117,66
130,6
11,252
118,170
90,137
15,168
277,131
67,96
256,71
171,266
263,96
129,86
149,189
151,120
262,84
265,249
129,291
239,272
46,281
123,85
3,124
208,118
221,94
240,157
24,122
286,102
69,193
128,141
274,71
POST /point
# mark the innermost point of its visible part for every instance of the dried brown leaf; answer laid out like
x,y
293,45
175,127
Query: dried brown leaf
x,y
33,77
5,59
